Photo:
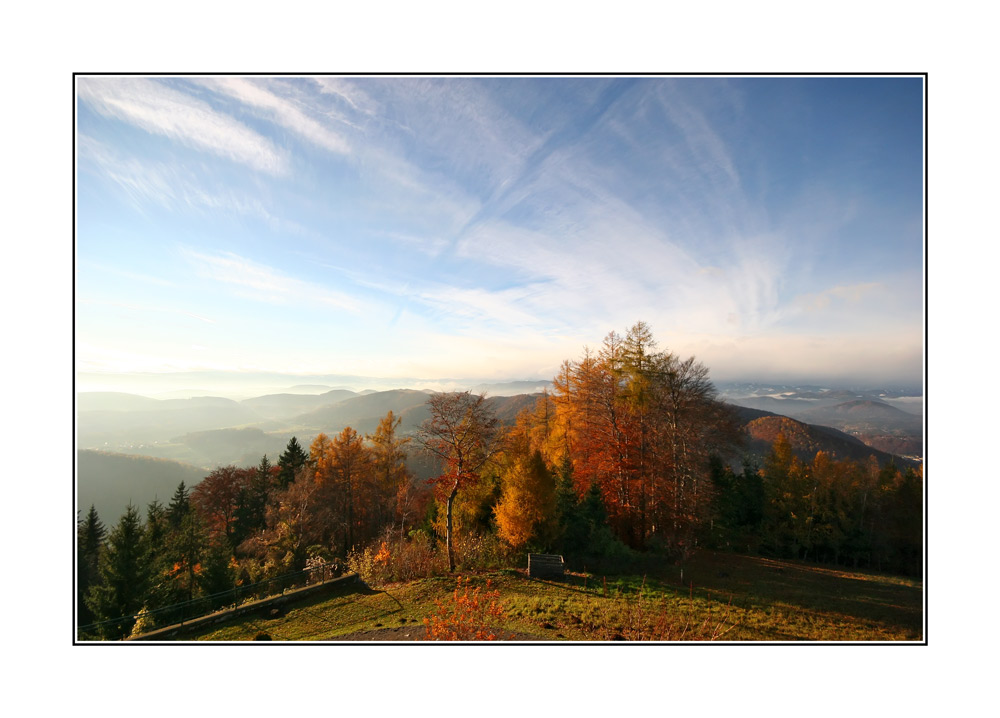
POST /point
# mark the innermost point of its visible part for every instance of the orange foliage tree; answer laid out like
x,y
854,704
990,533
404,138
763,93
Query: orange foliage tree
x,y
392,495
642,424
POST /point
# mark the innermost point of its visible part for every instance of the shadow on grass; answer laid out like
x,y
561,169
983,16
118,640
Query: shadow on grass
x,y
879,598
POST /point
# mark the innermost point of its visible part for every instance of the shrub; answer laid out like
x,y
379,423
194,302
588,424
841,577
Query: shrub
x,y
468,616
392,558
144,623
484,551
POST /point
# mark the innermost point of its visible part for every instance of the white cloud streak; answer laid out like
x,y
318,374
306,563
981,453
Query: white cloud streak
x,y
176,188
158,109
281,110
265,284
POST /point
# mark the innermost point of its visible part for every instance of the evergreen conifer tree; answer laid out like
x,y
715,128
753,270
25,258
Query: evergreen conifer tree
x,y
90,544
179,505
251,509
155,535
124,577
572,530
184,553
290,461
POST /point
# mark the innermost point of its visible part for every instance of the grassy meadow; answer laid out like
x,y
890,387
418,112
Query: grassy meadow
x,y
713,596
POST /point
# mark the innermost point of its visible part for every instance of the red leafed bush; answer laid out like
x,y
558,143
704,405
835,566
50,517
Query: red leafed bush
x,y
470,615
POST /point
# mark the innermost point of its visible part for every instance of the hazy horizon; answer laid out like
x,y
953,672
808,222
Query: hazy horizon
x,y
487,229
237,385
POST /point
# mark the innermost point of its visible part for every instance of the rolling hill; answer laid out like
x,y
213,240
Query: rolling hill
x,y
286,406
150,420
110,481
362,413
807,439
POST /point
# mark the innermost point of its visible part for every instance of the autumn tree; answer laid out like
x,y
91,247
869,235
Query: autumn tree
x,y
393,495
343,473
216,498
642,424
464,434
527,507
297,518
352,473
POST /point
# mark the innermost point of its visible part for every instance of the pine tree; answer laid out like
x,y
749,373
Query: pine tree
x,y
155,534
291,461
251,509
572,531
179,505
217,575
90,544
124,577
156,528
183,556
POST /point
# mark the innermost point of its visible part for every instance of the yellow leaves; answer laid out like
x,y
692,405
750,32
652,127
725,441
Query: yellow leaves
x,y
528,500
515,517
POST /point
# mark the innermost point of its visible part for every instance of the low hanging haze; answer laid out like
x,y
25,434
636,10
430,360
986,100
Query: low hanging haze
x,y
489,228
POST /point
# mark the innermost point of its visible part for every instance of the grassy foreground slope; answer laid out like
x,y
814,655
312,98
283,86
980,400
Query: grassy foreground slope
x,y
721,597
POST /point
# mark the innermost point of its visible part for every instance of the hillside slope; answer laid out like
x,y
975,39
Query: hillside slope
x,y
110,481
807,439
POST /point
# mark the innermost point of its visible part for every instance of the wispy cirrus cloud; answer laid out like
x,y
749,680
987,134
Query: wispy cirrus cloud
x,y
158,109
262,283
284,111
142,181
346,91
176,187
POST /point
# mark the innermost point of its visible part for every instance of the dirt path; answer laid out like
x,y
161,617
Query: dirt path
x,y
416,633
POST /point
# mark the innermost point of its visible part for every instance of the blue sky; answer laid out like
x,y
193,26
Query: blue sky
x,y
491,227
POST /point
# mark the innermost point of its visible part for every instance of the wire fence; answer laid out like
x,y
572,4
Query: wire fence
x,y
177,613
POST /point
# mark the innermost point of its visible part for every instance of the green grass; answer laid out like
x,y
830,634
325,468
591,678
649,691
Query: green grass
x,y
721,597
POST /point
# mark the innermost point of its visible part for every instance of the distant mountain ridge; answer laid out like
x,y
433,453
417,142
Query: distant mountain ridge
x,y
159,442
284,406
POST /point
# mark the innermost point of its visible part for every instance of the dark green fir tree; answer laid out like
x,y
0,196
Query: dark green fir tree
x,y
123,577
291,461
89,546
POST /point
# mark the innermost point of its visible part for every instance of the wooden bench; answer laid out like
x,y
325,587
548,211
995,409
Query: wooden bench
x,y
545,565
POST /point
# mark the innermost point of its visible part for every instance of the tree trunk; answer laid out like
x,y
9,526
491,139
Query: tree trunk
x,y
451,543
